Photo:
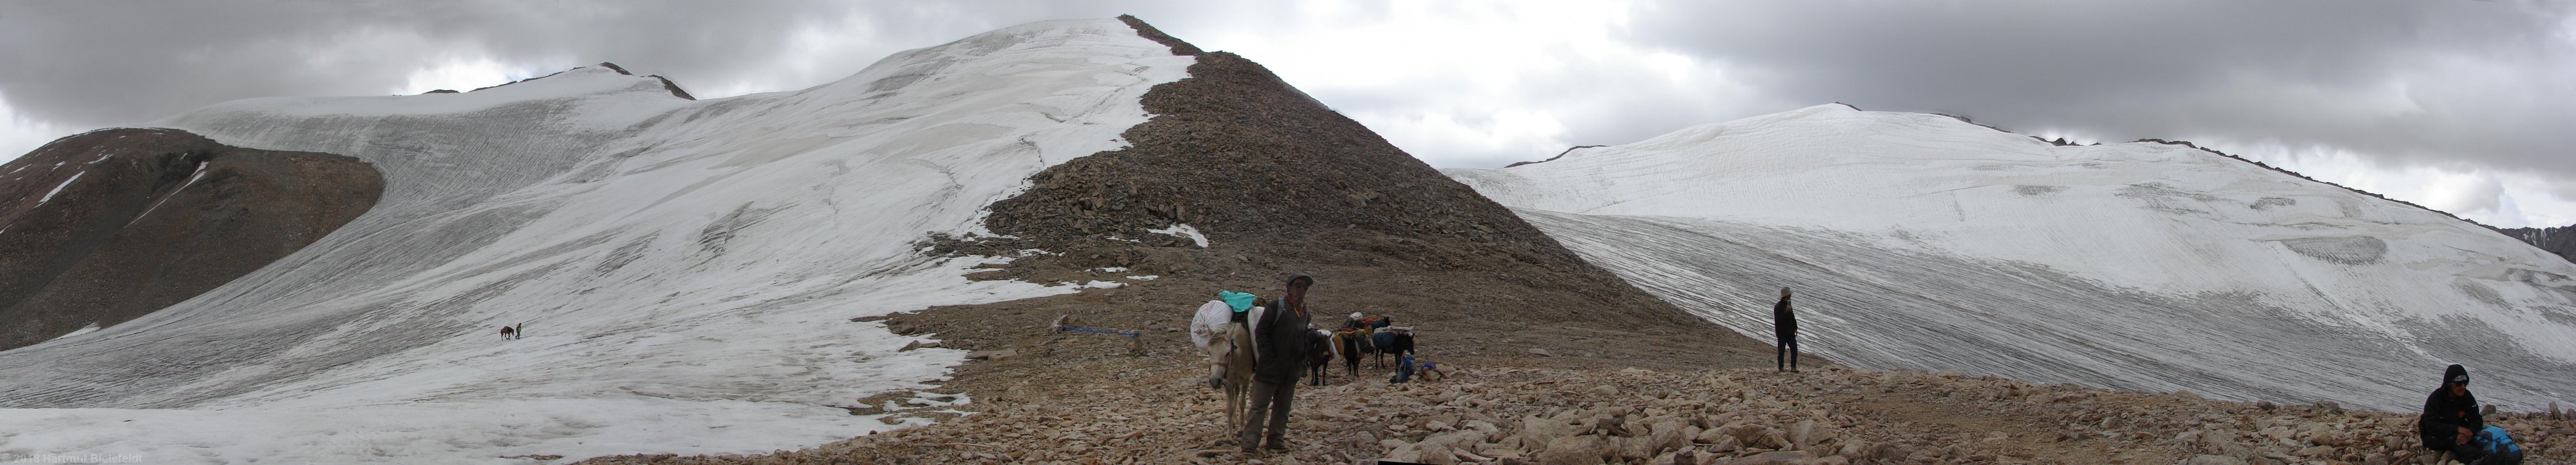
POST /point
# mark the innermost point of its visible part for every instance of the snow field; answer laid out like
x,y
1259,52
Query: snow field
x,y
1930,243
686,270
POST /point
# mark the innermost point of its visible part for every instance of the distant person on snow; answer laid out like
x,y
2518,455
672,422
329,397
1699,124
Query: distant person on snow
x,y
1279,357
1784,328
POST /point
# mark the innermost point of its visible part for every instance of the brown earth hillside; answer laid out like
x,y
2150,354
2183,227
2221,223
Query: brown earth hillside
x,y
1282,184
110,225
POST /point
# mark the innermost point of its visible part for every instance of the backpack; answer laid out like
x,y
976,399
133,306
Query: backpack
x,y
2493,440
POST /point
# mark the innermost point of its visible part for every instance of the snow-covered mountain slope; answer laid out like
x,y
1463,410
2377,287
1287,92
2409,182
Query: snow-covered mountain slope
x,y
686,270
1924,242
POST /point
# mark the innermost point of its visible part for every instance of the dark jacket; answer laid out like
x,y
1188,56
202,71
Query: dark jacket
x,y
2444,415
1281,346
1784,323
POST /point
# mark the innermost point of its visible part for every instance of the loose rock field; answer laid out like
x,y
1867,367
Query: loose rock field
x,y
1495,411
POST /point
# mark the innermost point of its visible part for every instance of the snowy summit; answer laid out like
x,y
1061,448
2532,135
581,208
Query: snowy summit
x,y
1925,242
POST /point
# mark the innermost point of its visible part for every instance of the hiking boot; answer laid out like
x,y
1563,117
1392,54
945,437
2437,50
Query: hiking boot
x,y
1276,446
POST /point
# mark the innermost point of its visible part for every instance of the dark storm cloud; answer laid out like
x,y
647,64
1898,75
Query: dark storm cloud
x,y
87,64
2463,86
2434,82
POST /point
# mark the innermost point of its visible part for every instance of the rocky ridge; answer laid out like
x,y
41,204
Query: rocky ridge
x,y
2558,240
109,225
1280,184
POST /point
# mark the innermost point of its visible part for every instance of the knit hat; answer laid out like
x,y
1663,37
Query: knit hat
x,y
1356,315
1784,292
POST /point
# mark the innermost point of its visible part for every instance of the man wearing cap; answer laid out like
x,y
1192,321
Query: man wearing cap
x,y
1279,358
2450,413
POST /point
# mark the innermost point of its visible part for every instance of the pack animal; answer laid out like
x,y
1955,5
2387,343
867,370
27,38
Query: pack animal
x,y
1319,350
1351,344
1392,340
1230,367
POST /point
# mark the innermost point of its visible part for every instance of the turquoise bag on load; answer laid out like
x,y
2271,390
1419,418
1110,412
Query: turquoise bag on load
x,y
1240,301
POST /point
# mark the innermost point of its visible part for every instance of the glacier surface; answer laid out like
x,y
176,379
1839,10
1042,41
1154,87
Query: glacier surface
x,y
686,270
1924,242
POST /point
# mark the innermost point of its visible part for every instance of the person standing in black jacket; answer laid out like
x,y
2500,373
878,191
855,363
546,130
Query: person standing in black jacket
x,y
2450,414
1784,328
1279,358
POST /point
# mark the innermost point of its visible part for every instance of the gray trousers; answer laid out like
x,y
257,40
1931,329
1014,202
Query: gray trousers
x,y
1273,398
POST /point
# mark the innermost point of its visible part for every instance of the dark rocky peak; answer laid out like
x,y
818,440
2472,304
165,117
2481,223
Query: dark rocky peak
x,y
667,85
109,225
1558,155
2558,240
1281,183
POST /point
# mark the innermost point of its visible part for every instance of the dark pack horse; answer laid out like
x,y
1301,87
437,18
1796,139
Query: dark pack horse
x,y
1375,345
1392,340
1352,344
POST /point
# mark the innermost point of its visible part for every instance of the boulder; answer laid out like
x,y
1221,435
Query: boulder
x,y
1436,454
1807,434
1668,434
1492,433
1457,440
1537,432
2206,459
1854,448
1778,458
1572,450
1635,448
1770,439
1890,453
1710,436
1726,444
1404,453
1749,435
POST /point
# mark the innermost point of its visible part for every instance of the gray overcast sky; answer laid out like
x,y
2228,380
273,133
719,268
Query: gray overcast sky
x,y
2466,106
